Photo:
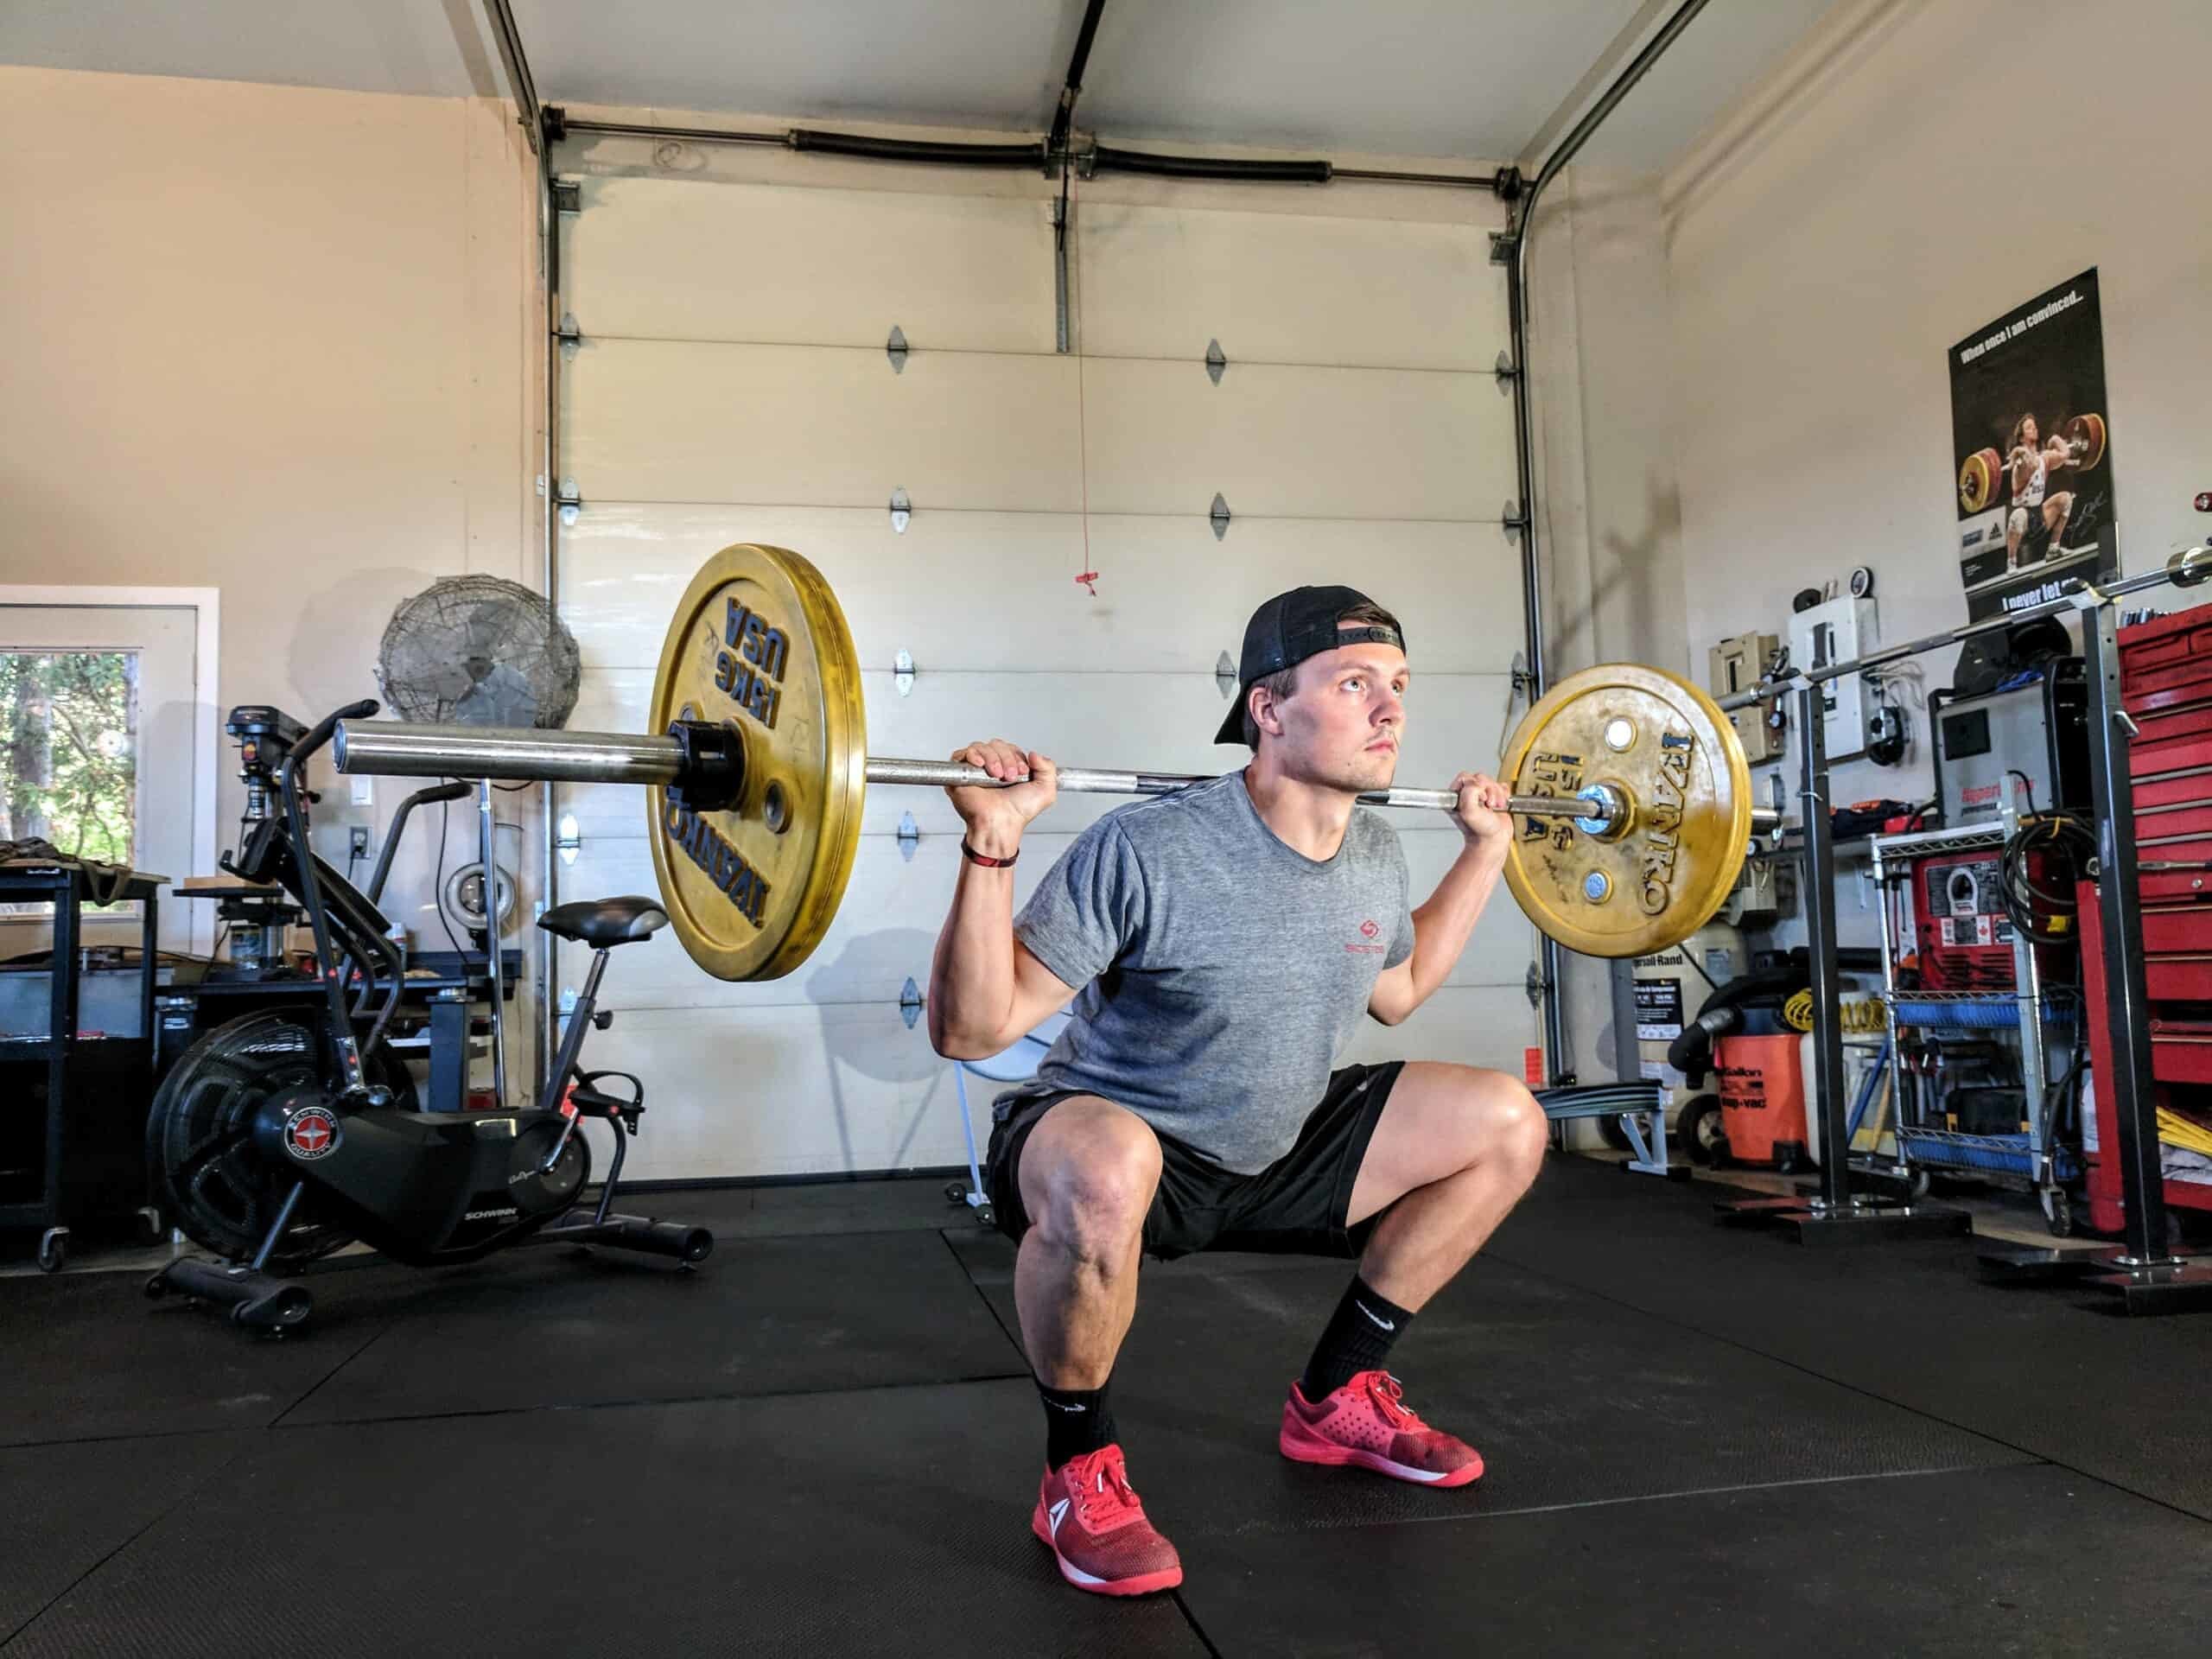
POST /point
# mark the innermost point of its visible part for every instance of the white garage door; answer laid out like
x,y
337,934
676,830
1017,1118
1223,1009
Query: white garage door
x,y
733,386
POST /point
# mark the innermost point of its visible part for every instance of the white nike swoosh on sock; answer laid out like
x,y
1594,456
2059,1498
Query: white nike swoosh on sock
x,y
1056,1405
1388,1325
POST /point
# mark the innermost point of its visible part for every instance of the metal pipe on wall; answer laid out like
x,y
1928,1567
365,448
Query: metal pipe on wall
x,y
536,128
1520,231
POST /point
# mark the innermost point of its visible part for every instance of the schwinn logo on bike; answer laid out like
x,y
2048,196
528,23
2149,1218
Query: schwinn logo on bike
x,y
312,1133
1368,931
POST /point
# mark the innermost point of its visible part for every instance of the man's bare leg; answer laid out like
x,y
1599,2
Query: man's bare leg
x,y
1452,1153
1088,1172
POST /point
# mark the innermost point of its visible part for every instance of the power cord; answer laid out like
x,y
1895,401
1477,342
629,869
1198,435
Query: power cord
x,y
2046,915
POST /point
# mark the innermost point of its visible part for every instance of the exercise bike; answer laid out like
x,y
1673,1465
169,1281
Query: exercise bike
x,y
282,1136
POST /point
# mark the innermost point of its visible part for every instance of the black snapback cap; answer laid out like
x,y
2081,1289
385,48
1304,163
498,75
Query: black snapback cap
x,y
1289,628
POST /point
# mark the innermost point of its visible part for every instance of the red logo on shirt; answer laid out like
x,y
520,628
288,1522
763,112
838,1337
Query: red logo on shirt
x,y
1369,929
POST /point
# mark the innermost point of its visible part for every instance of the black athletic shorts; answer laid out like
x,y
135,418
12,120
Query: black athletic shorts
x,y
1297,1205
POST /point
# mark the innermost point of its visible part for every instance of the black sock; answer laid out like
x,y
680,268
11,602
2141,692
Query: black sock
x,y
1077,1421
1357,1338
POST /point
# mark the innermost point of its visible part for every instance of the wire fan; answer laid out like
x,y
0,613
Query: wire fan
x,y
478,651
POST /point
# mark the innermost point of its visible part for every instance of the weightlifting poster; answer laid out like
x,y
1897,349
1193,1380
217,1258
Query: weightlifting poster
x,y
2032,451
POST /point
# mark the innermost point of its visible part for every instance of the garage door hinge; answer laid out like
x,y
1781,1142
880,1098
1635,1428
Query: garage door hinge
x,y
1216,362
1512,520
1220,516
1533,985
902,509
568,842
1506,373
570,501
910,1003
1502,245
568,196
910,836
895,349
902,671
1224,675
570,334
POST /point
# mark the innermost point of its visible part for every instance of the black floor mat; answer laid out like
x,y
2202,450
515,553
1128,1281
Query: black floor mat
x,y
1570,1398
2028,1561
551,1327
2057,1372
85,1355
805,1207
65,1508
885,1522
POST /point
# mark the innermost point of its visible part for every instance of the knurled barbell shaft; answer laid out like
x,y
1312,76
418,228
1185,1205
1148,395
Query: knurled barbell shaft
x,y
387,748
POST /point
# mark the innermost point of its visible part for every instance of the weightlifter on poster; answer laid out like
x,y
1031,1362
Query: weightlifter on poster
x,y
1221,945
2035,526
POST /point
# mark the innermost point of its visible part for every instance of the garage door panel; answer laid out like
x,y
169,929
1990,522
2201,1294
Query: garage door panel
x,y
1170,596
783,1091
996,591
1129,721
1296,442
820,426
685,259
1499,949
952,589
1166,282
885,931
1468,1025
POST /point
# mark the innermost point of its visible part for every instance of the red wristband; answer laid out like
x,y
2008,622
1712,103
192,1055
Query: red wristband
x,y
975,857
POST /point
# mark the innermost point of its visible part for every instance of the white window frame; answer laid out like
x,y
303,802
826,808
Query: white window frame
x,y
206,605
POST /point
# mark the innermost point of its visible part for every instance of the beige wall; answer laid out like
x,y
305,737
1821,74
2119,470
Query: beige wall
x,y
1760,337
275,341
1915,184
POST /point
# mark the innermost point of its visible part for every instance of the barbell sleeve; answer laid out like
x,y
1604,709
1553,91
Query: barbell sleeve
x,y
524,754
507,754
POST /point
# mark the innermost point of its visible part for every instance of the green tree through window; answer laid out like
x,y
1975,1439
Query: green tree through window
x,y
69,750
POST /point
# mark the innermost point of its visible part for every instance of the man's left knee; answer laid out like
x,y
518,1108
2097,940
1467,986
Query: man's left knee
x,y
1525,1133
1508,1122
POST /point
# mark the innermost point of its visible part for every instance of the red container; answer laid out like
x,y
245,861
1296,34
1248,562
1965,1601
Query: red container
x,y
2106,1213
2173,741
2184,929
2169,824
1762,1085
2161,661
2174,886
2181,1050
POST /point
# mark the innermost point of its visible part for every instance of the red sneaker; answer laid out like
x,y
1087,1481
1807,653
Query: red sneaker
x,y
1367,1423
1089,1516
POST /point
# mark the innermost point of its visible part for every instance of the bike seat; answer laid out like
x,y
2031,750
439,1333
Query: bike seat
x,y
604,922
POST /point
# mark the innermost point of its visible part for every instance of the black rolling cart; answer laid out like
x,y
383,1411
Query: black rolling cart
x,y
76,1066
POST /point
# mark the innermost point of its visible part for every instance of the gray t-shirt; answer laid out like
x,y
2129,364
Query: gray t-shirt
x,y
1220,972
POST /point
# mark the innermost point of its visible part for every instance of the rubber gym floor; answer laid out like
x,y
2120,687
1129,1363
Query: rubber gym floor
x,y
1698,1440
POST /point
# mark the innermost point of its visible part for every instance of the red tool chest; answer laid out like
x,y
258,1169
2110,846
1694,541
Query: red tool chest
x,y
2166,673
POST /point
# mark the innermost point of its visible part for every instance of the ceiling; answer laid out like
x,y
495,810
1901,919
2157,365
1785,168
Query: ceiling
x,y
1478,80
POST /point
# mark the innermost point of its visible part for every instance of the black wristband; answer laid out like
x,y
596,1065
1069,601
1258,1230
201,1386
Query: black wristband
x,y
975,857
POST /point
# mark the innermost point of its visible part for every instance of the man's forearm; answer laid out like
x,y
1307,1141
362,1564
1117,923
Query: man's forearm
x,y
1443,925
971,980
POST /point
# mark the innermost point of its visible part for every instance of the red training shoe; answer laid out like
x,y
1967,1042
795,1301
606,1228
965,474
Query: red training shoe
x,y
1089,1516
1367,1423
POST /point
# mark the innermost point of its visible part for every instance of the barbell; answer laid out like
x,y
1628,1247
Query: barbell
x,y
1631,790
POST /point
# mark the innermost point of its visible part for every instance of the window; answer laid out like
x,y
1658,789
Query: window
x,y
69,752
